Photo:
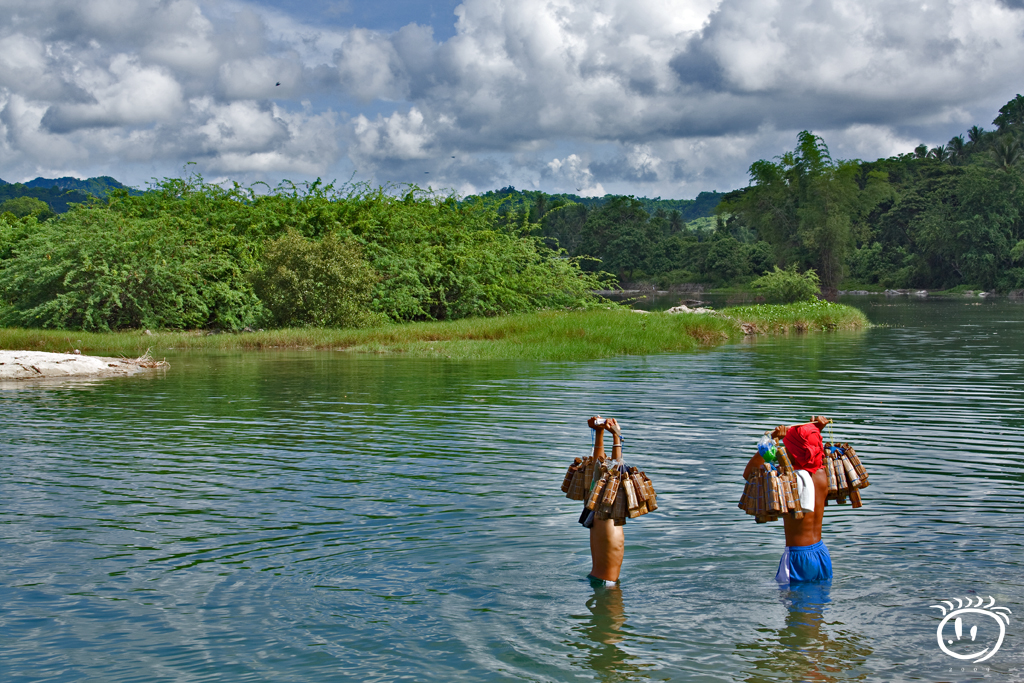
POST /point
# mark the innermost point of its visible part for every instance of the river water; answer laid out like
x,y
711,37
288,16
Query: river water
x,y
319,517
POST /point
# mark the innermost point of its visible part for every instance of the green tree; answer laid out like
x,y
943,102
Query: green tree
x,y
805,206
1010,114
27,206
318,283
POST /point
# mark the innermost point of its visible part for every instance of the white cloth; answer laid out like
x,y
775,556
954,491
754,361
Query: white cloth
x,y
782,576
805,490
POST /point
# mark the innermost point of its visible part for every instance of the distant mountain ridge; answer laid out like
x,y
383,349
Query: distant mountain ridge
x,y
60,193
99,186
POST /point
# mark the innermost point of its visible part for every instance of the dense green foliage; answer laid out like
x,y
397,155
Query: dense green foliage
x,y
936,218
671,241
20,207
539,202
787,286
321,283
97,269
192,254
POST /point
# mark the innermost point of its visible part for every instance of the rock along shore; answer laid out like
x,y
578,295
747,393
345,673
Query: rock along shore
x,y
43,365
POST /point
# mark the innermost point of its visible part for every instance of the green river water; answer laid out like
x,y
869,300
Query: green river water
x,y
322,517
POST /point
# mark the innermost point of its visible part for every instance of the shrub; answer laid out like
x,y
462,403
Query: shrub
x,y
27,206
319,283
92,269
788,286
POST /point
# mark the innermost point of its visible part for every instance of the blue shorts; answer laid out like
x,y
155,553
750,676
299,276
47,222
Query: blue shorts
x,y
802,563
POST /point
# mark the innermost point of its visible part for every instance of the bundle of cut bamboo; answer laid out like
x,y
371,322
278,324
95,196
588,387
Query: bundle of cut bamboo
x,y
611,489
846,475
772,490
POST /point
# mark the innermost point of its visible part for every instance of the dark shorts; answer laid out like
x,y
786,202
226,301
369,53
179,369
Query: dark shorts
x,y
600,583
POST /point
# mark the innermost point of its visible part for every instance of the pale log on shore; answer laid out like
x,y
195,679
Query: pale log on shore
x,y
42,365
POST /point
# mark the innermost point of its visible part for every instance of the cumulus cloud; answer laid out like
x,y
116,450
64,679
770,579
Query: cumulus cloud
x,y
639,96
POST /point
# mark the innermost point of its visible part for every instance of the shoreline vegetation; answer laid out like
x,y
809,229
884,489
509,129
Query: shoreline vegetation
x,y
545,335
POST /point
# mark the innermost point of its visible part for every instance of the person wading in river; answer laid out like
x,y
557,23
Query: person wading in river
x,y
607,541
805,558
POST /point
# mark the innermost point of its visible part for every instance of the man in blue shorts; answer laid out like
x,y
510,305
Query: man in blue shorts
x,y
805,557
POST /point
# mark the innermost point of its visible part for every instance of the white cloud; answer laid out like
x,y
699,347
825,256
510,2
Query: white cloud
x,y
126,93
394,137
640,96
574,170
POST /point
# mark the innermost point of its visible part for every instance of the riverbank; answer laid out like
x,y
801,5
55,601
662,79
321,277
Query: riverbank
x,y
546,335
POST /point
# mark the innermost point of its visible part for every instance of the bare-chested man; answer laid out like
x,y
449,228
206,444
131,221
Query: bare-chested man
x,y
607,541
805,558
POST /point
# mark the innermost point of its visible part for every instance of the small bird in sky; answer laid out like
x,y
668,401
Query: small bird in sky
x,y
453,156
277,84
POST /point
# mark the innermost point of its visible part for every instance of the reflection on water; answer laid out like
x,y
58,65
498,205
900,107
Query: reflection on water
x,y
600,637
803,650
317,517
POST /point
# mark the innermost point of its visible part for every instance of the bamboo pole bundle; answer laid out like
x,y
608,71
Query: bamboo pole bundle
x,y
772,498
833,483
857,465
595,493
627,487
611,489
567,481
650,496
620,506
578,490
772,490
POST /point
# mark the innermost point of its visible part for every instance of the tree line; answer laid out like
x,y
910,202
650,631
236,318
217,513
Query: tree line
x,y
189,254
938,218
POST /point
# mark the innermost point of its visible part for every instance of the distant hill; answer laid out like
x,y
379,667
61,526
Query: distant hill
x,y
689,209
98,187
60,193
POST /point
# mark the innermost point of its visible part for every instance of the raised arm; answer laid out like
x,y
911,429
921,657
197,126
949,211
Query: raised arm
x,y
598,423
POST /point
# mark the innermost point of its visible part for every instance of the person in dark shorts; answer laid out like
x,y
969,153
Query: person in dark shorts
x,y
607,540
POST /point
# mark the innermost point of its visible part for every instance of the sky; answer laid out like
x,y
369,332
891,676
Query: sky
x,y
645,97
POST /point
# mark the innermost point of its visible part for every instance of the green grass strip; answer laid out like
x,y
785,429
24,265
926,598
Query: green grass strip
x,y
545,335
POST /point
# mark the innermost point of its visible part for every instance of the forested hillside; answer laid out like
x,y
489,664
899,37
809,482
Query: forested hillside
x,y
60,193
937,218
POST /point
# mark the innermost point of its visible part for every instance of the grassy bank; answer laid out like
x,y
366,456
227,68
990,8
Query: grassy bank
x,y
547,335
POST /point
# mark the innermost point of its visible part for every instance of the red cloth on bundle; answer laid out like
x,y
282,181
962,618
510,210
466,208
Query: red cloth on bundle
x,y
805,448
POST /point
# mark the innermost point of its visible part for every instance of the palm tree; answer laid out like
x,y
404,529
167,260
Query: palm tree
x,y
921,151
1007,153
939,153
957,148
976,133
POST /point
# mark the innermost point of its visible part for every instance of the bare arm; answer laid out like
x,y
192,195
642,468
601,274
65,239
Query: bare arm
x,y
597,423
